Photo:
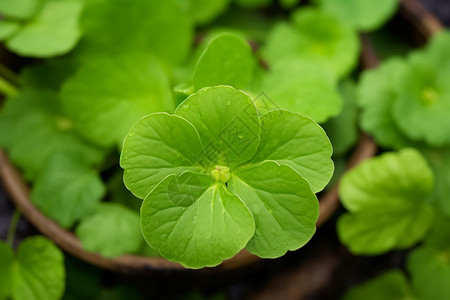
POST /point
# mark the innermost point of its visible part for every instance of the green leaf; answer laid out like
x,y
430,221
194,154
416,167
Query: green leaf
x,y
227,122
438,237
252,3
188,168
157,146
297,141
7,28
315,36
6,266
36,271
375,95
303,86
40,272
54,30
423,101
158,27
386,197
391,285
439,160
227,60
342,129
204,11
283,206
19,9
49,74
193,224
112,230
126,88
289,3
430,273
361,14
66,190
34,120
437,49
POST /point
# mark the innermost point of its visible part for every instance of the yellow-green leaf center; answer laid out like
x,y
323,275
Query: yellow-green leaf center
x,y
221,173
429,96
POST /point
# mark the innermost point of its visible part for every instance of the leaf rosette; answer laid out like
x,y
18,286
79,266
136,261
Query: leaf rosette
x,y
216,177
387,198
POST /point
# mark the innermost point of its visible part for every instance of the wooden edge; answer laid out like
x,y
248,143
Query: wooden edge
x,y
420,17
19,193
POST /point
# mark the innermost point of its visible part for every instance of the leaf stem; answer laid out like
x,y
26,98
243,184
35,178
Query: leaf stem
x,y
9,75
7,88
12,227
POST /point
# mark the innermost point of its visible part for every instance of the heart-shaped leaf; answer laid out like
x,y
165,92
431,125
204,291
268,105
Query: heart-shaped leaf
x,y
34,120
121,237
148,26
66,190
314,35
126,88
386,197
303,86
361,14
227,122
283,205
53,31
194,224
156,147
297,141
35,272
227,60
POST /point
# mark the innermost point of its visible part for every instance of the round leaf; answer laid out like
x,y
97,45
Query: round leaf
x,y
204,11
421,109
392,285
193,224
112,230
439,160
66,190
387,200
283,206
53,31
315,36
7,28
34,120
227,122
305,87
375,95
19,9
148,26
430,273
157,146
297,141
38,271
126,88
227,60
361,14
